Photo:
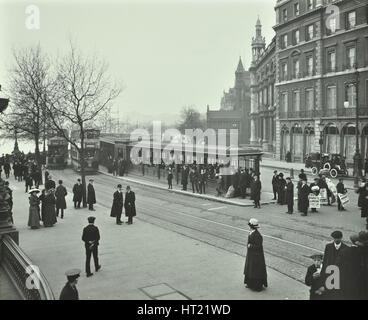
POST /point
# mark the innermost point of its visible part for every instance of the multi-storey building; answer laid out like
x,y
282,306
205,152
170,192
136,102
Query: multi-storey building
x,y
321,76
235,107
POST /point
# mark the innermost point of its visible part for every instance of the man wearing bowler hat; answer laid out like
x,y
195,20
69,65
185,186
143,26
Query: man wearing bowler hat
x,y
91,237
334,256
70,291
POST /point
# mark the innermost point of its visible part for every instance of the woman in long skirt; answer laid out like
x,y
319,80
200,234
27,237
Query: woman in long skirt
x,y
49,209
255,274
34,209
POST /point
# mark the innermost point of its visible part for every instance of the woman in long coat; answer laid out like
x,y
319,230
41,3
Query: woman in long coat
x,y
255,274
117,204
281,189
255,189
34,209
49,209
60,195
129,205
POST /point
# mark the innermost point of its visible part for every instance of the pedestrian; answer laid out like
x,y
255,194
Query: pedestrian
x,y
243,183
289,196
314,279
60,195
34,209
323,185
202,181
91,238
7,169
91,195
363,196
48,208
314,188
366,167
333,256
117,204
302,175
184,177
275,183
47,176
304,200
255,274
129,205
170,177
70,291
9,200
281,189
50,184
340,188
220,184
256,187
28,182
77,194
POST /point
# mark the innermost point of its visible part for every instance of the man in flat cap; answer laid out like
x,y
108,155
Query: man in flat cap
x,y
313,278
70,291
91,237
334,255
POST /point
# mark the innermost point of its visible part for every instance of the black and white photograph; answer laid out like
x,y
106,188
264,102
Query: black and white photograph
x,y
164,151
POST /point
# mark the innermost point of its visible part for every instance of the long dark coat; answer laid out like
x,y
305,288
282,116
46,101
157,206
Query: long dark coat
x,y
363,195
78,192
255,190
129,204
304,192
60,195
48,208
117,204
91,195
69,293
281,191
289,195
315,284
255,265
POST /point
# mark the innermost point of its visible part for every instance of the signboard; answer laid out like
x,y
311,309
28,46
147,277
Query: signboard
x,y
323,196
314,201
343,198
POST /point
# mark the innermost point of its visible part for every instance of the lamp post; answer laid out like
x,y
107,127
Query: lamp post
x,y
321,129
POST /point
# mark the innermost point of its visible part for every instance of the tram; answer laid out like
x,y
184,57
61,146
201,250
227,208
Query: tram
x,y
91,151
57,151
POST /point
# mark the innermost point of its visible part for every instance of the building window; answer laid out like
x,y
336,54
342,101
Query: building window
x,y
310,4
284,72
283,41
309,34
296,9
296,68
309,99
284,101
284,15
350,96
332,25
331,61
295,37
350,57
310,65
331,97
350,19
296,100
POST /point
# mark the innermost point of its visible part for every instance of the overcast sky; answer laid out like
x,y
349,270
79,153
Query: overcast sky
x,y
167,53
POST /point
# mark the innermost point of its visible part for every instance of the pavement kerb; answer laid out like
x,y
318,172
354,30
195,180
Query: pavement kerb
x,y
196,195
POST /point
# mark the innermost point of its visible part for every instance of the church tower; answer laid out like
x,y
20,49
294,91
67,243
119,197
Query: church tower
x,y
258,42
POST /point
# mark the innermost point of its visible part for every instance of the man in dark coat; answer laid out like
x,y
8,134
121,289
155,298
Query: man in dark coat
x,y
7,169
281,189
50,184
314,280
202,180
289,196
334,255
91,195
255,274
302,175
340,188
275,182
255,188
91,238
117,204
304,200
170,177
77,194
129,205
70,291
60,195
243,183
184,177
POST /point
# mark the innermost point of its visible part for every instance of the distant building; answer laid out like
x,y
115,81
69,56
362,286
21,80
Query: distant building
x,y
235,107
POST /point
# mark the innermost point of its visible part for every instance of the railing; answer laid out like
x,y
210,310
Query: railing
x,y
346,112
15,263
299,114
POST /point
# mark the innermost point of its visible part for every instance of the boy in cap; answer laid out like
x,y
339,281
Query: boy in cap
x,y
70,291
313,278
91,237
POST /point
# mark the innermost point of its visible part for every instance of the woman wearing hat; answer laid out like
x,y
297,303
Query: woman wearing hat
x,y
255,274
34,209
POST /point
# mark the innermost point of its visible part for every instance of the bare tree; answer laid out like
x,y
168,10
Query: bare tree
x,y
29,80
190,118
81,91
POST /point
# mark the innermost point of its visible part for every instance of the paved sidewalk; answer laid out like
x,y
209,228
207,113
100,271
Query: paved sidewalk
x,y
162,184
141,261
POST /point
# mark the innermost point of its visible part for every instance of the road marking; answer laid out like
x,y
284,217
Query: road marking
x,y
206,204
217,208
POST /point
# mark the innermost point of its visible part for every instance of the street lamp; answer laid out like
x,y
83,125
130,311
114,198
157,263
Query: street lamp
x,y
357,157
